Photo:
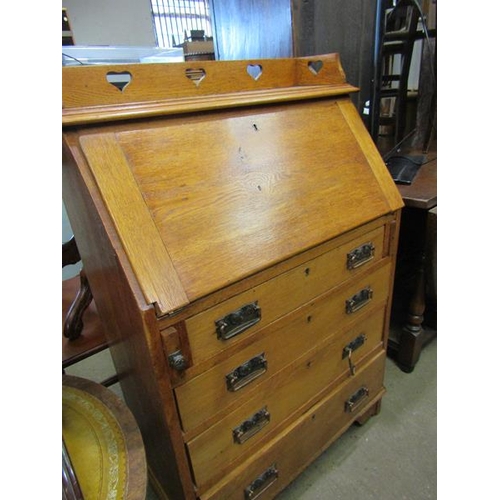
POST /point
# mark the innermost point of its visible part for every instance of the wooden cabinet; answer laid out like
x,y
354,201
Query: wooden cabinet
x,y
238,228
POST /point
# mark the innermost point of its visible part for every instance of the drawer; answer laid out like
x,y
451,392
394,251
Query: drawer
x,y
235,379
283,458
236,435
211,331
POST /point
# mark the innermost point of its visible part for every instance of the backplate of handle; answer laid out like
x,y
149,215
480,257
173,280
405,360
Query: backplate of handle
x,y
358,300
360,255
251,426
355,401
245,373
262,483
238,321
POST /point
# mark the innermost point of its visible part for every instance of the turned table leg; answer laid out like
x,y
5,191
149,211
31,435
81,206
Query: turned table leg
x,y
412,334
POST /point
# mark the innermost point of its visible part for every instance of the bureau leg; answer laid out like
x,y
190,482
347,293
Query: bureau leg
x,y
371,412
412,334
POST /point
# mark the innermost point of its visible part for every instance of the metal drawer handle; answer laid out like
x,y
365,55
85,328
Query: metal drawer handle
x,y
245,373
356,399
359,300
251,426
237,321
360,255
262,483
350,348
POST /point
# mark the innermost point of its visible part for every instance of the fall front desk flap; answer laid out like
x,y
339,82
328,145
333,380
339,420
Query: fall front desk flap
x,y
207,187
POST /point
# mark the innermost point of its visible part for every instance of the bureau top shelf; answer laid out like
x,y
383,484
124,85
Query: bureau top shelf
x,y
99,93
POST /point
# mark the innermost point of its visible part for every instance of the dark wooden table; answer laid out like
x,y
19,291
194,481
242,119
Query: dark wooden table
x,y
422,192
412,269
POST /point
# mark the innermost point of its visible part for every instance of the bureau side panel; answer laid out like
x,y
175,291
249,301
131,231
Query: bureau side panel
x,y
391,249
131,328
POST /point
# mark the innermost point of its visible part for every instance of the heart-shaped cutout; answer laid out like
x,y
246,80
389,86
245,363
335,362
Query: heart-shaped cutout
x,y
196,75
254,70
315,66
119,79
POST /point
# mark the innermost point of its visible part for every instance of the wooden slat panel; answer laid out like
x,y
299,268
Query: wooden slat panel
x,y
256,29
343,27
147,254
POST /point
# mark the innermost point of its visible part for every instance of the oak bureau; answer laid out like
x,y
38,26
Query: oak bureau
x,y
238,228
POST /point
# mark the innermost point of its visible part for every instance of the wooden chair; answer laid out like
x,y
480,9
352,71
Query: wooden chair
x,y
391,89
82,330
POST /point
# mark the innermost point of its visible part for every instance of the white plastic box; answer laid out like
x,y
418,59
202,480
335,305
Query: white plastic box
x,y
73,55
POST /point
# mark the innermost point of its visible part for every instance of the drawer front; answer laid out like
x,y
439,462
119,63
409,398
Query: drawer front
x,y
274,466
236,435
234,380
213,330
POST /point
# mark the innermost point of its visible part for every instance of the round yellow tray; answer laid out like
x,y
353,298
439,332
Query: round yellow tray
x,y
103,441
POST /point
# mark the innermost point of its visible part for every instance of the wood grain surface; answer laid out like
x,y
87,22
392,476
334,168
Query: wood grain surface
x,y
149,257
161,89
222,189
291,452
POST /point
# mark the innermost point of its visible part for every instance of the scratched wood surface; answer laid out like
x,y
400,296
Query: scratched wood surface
x,y
233,193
